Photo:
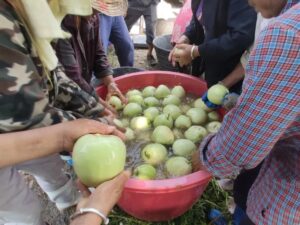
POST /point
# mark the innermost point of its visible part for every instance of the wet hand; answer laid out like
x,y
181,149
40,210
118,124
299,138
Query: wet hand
x,y
171,56
181,54
230,101
108,109
196,162
71,131
105,195
112,89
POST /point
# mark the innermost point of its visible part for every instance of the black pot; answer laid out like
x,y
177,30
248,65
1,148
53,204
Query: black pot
x,y
119,71
163,47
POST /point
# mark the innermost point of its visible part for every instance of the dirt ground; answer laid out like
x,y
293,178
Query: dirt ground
x,y
139,59
50,213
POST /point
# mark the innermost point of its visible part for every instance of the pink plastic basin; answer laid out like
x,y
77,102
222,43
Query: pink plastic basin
x,y
161,200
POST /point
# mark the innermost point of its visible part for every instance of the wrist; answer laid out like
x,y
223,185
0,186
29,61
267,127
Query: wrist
x,y
89,215
194,52
112,85
100,206
183,40
88,218
62,136
108,80
222,83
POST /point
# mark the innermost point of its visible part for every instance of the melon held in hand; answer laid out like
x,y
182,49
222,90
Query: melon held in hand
x,y
98,158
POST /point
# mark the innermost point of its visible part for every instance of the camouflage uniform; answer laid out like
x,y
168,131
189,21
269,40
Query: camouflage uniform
x,y
29,100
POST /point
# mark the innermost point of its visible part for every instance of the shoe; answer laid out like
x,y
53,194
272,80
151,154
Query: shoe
x,y
216,217
151,60
238,216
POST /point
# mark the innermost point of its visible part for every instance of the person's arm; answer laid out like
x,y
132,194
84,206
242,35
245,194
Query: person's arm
x,y
234,77
112,89
239,36
71,98
173,58
190,33
102,199
23,101
268,105
67,57
87,219
183,40
22,146
239,71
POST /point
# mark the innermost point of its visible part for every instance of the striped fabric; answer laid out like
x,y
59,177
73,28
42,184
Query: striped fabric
x,y
265,125
111,7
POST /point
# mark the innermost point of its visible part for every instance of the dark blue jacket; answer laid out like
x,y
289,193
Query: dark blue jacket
x,y
228,30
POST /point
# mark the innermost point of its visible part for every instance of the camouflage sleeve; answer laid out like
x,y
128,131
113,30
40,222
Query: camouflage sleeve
x,y
24,96
70,97
23,100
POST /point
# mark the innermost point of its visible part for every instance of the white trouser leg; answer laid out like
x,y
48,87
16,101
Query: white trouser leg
x,y
49,174
18,204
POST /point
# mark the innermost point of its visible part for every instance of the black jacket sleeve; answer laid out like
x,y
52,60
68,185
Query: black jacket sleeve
x,y
191,31
241,22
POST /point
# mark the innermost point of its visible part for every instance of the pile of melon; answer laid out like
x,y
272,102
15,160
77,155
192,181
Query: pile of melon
x,y
169,123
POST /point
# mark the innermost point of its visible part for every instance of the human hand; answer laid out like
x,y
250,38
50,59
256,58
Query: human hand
x,y
172,56
112,89
182,40
112,121
196,162
110,114
181,53
105,195
215,96
108,109
71,131
208,103
230,101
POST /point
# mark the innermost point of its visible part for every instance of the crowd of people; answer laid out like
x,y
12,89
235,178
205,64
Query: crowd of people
x,y
50,50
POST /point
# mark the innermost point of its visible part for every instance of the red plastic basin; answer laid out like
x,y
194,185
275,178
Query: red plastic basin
x,y
161,200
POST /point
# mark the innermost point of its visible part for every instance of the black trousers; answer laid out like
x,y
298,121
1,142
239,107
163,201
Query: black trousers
x,y
246,221
241,187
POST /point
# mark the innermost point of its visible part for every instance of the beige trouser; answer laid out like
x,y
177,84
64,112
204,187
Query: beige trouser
x,y
19,205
